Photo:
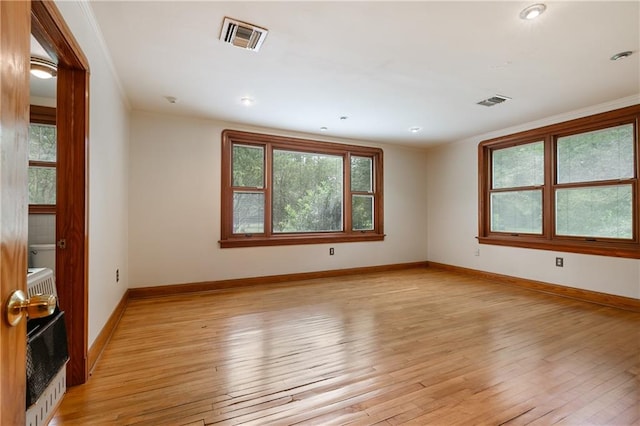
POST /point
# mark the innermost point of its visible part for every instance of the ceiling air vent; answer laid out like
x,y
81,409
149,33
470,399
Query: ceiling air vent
x,y
494,100
242,34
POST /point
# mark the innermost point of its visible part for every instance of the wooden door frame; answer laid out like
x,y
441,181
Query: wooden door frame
x,y
72,122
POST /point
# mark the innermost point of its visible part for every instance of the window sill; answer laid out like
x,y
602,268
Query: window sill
x,y
298,240
597,248
42,209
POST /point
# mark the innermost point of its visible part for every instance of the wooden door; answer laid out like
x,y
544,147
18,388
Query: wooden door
x,y
15,29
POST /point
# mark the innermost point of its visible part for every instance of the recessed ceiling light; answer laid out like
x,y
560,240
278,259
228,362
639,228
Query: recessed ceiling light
x,y
415,129
246,101
324,129
171,99
533,11
621,55
344,117
43,68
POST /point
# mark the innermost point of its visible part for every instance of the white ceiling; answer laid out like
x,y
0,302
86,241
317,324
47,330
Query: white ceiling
x,y
38,87
388,66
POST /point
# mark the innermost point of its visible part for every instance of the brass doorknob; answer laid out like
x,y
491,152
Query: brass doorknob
x,y
38,306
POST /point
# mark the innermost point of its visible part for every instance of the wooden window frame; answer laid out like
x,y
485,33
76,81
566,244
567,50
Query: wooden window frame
x,y
548,240
268,238
42,115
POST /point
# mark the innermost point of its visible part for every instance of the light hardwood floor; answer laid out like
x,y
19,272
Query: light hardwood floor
x,y
420,346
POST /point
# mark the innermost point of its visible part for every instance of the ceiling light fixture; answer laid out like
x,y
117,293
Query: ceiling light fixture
x,y
171,99
344,117
246,101
621,55
415,129
324,129
533,11
43,68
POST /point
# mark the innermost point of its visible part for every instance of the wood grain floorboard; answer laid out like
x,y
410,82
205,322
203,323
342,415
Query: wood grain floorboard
x,y
417,347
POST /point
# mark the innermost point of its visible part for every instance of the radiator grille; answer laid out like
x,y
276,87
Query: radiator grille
x,y
40,411
40,281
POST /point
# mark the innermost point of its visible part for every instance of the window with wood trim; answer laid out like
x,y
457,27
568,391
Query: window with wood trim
x,y
569,187
42,160
278,191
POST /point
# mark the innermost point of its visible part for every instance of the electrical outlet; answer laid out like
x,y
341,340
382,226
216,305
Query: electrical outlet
x,y
331,251
559,262
117,275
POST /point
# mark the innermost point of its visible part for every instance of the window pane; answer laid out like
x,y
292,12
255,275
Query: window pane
x,y
361,174
599,155
248,166
248,213
517,212
604,211
362,212
521,165
42,185
42,142
307,192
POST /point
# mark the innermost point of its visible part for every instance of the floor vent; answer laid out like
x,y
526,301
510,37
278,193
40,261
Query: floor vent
x,y
242,34
494,100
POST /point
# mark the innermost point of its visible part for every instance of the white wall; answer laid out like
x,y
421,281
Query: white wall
x,y
174,210
42,229
452,194
108,172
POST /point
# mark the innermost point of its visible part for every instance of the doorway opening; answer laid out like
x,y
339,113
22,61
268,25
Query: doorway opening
x,y
71,215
